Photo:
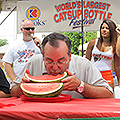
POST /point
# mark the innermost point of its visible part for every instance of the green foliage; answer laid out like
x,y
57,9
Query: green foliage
x,y
3,42
90,35
76,39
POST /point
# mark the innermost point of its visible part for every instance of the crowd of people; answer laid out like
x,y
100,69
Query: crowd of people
x,y
89,77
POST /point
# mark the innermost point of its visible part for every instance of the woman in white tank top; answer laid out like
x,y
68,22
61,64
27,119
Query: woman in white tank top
x,y
101,51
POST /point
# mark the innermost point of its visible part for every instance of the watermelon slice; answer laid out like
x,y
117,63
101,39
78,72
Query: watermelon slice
x,y
45,78
41,90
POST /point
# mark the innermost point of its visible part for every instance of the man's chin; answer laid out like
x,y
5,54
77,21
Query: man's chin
x,y
54,74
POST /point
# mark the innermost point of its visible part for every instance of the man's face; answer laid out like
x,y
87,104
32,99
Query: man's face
x,y
27,29
56,58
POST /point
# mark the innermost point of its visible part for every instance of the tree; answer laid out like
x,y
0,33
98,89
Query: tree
x,y
90,35
76,39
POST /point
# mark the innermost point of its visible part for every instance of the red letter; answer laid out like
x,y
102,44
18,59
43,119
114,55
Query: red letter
x,y
57,8
61,17
86,13
69,14
88,4
78,3
108,5
104,16
79,13
84,4
100,3
56,15
62,7
96,11
64,13
92,4
73,5
66,6
104,6
91,12
101,12
109,16
96,4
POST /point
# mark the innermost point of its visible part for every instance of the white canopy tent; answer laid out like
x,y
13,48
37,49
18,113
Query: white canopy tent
x,y
3,49
84,47
65,15
62,15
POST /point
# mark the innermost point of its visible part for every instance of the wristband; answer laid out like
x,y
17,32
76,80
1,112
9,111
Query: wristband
x,y
80,88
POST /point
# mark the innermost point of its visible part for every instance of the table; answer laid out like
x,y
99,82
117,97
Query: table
x,y
15,109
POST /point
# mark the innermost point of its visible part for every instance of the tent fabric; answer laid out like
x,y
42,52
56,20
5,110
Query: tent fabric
x,y
3,49
84,46
62,15
15,108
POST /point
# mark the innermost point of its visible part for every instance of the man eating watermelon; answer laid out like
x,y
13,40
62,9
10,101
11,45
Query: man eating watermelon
x,y
84,79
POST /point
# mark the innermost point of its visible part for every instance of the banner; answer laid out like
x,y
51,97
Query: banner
x,y
65,15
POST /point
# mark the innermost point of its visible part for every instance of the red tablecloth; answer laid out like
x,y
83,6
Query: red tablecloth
x,y
16,109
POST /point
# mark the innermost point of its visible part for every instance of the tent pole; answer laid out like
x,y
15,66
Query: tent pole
x,y
82,27
9,14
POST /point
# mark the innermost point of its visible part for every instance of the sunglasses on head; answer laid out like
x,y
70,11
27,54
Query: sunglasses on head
x,y
28,28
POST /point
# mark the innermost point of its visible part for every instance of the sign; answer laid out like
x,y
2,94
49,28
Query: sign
x,y
62,15
33,13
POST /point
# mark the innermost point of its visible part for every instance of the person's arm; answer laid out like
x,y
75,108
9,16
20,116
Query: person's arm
x,y
9,71
4,95
117,67
34,66
4,85
72,82
89,49
118,45
37,42
96,92
16,90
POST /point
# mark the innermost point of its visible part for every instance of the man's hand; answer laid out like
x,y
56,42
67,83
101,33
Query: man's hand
x,y
25,80
37,42
71,82
118,28
16,90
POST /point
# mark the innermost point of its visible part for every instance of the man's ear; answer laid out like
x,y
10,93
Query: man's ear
x,y
70,56
21,29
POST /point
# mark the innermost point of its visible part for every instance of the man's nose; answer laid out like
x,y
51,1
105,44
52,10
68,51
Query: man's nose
x,y
30,30
55,66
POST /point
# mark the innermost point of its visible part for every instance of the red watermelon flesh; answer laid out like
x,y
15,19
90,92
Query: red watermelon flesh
x,y
45,78
41,89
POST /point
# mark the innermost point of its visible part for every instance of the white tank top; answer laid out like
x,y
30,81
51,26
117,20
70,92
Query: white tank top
x,y
103,59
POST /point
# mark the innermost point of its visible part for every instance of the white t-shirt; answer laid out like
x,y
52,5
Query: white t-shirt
x,y
18,54
83,68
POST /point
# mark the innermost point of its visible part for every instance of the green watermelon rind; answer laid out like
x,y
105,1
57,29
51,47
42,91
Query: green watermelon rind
x,y
54,93
45,81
